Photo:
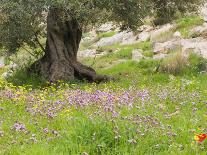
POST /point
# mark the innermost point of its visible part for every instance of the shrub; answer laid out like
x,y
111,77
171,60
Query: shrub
x,y
179,64
173,64
166,10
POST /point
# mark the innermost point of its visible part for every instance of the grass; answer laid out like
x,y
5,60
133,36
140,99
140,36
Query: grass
x,y
106,34
160,120
146,113
185,25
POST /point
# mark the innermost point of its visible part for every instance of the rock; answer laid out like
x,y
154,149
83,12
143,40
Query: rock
x,y
204,12
106,27
144,36
164,29
7,74
160,56
90,53
129,38
137,54
12,66
145,28
87,53
166,46
177,34
118,38
199,30
2,62
195,45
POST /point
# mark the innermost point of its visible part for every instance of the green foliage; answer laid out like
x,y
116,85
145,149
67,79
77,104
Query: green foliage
x,y
167,9
178,64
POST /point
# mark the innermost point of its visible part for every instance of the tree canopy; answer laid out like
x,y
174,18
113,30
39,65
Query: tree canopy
x,y
22,21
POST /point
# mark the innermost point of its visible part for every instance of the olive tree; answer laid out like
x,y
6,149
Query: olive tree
x,y
62,22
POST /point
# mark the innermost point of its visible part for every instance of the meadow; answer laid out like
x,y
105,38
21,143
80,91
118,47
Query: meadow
x,y
141,112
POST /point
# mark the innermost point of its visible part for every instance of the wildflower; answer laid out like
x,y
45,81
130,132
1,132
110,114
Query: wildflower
x,y
55,132
19,127
46,130
200,137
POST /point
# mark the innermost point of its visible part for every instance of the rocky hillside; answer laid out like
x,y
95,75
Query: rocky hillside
x,y
186,35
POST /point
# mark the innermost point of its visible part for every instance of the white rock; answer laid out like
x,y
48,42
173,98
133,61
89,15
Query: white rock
x,y
166,46
137,54
160,56
177,34
199,29
87,53
144,36
204,12
12,66
196,45
118,38
164,29
106,27
7,74
129,38
2,64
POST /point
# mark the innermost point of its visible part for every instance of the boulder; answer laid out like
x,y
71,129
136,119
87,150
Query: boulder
x,y
137,55
90,53
166,46
106,27
195,45
129,38
117,38
204,12
144,36
87,53
199,30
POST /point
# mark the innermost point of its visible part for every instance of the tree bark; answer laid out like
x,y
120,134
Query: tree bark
x,y
60,59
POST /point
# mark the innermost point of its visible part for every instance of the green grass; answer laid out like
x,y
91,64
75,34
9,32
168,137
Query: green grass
x,y
106,34
185,25
160,124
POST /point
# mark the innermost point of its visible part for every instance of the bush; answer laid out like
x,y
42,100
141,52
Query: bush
x,y
179,64
166,10
173,64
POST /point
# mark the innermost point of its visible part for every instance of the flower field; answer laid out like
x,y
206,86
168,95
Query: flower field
x,y
140,118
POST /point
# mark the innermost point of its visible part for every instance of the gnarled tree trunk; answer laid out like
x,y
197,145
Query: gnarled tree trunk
x,y
60,59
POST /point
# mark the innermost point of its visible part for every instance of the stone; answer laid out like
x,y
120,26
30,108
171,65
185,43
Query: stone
x,y
2,64
7,74
106,27
177,34
137,55
117,38
91,53
159,31
204,12
144,36
87,53
160,56
166,46
199,30
129,38
195,45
